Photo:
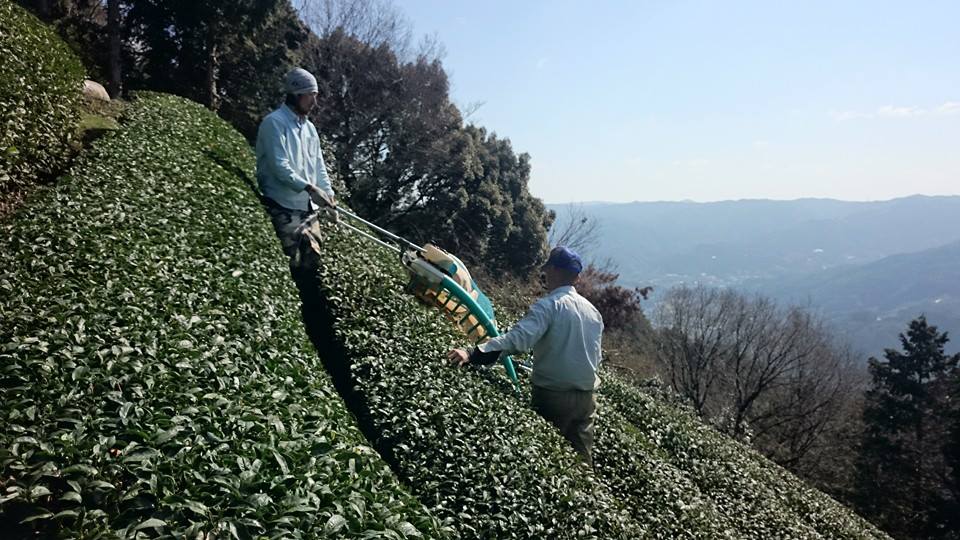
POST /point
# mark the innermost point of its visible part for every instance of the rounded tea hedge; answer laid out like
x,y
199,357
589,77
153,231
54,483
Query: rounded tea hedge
x,y
40,83
157,380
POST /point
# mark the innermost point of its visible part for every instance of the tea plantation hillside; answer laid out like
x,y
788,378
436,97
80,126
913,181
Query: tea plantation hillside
x,y
475,454
40,82
155,378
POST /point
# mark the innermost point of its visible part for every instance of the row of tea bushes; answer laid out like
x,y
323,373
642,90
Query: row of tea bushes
x,y
40,82
155,378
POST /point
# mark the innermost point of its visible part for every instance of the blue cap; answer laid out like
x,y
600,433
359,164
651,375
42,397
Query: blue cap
x,y
565,259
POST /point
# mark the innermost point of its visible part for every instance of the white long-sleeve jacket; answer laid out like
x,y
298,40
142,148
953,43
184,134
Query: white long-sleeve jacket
x,y
564,331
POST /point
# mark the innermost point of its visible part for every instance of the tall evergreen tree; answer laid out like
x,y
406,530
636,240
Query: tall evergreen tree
x,y
950,512
115,73
409,163
251,75
181,46
903,467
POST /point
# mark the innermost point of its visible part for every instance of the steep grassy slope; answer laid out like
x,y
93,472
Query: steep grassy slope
x,y
477,455
155,377
155,380
40,82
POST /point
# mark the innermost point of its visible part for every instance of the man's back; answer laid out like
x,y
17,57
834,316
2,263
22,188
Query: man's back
x,y
568,355
564,331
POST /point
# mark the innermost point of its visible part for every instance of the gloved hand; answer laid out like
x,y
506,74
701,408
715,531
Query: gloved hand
x,y
458,357
320,197
330,212
326,202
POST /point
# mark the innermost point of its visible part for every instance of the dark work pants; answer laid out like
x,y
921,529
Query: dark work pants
x,y
573,412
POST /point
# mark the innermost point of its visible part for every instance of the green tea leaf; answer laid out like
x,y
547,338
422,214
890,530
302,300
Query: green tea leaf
x,y
334,524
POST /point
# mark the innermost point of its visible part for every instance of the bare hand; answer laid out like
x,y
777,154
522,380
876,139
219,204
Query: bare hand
x,y
458,357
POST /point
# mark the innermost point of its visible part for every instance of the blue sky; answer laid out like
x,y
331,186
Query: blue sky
x,y
705,101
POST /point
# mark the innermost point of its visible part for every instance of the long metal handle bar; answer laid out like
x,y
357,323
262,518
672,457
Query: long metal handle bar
x,y
362,232
384,232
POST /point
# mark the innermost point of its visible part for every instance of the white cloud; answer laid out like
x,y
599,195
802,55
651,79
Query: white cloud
x,y
950,107
847,115
691,163
899,111
892,111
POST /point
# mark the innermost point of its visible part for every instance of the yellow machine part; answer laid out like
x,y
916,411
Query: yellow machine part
x,y
432,293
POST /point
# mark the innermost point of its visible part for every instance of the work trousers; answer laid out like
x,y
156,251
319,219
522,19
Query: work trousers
x,y
299,234
573,412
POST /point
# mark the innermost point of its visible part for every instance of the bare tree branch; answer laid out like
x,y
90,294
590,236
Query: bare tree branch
x,y
373,22
754,369
576,229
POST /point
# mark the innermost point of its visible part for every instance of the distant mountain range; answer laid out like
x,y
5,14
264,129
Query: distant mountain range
x,y
873,302
868,267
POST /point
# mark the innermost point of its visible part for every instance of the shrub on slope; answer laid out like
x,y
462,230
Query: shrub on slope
x,y
464,444
757,497
154,373
40,81
478,456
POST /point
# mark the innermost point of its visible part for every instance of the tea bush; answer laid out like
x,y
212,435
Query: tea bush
x,y
155,378
478,457
40,89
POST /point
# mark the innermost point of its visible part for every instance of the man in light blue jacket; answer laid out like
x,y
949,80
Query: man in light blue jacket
x,y
290,169
564,331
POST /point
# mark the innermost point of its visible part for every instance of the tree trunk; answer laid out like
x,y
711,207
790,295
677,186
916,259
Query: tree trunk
x,y
115,84
213,67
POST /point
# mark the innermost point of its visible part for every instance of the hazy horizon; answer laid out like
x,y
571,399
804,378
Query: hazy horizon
x,y
552,203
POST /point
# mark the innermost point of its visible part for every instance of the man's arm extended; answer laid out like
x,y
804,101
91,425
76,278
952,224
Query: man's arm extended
x,y
323,179
521,338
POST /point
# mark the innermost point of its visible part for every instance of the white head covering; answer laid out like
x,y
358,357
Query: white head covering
x,y
299,81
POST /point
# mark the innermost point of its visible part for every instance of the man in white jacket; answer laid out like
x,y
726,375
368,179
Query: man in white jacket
x,y
564,330
290,169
